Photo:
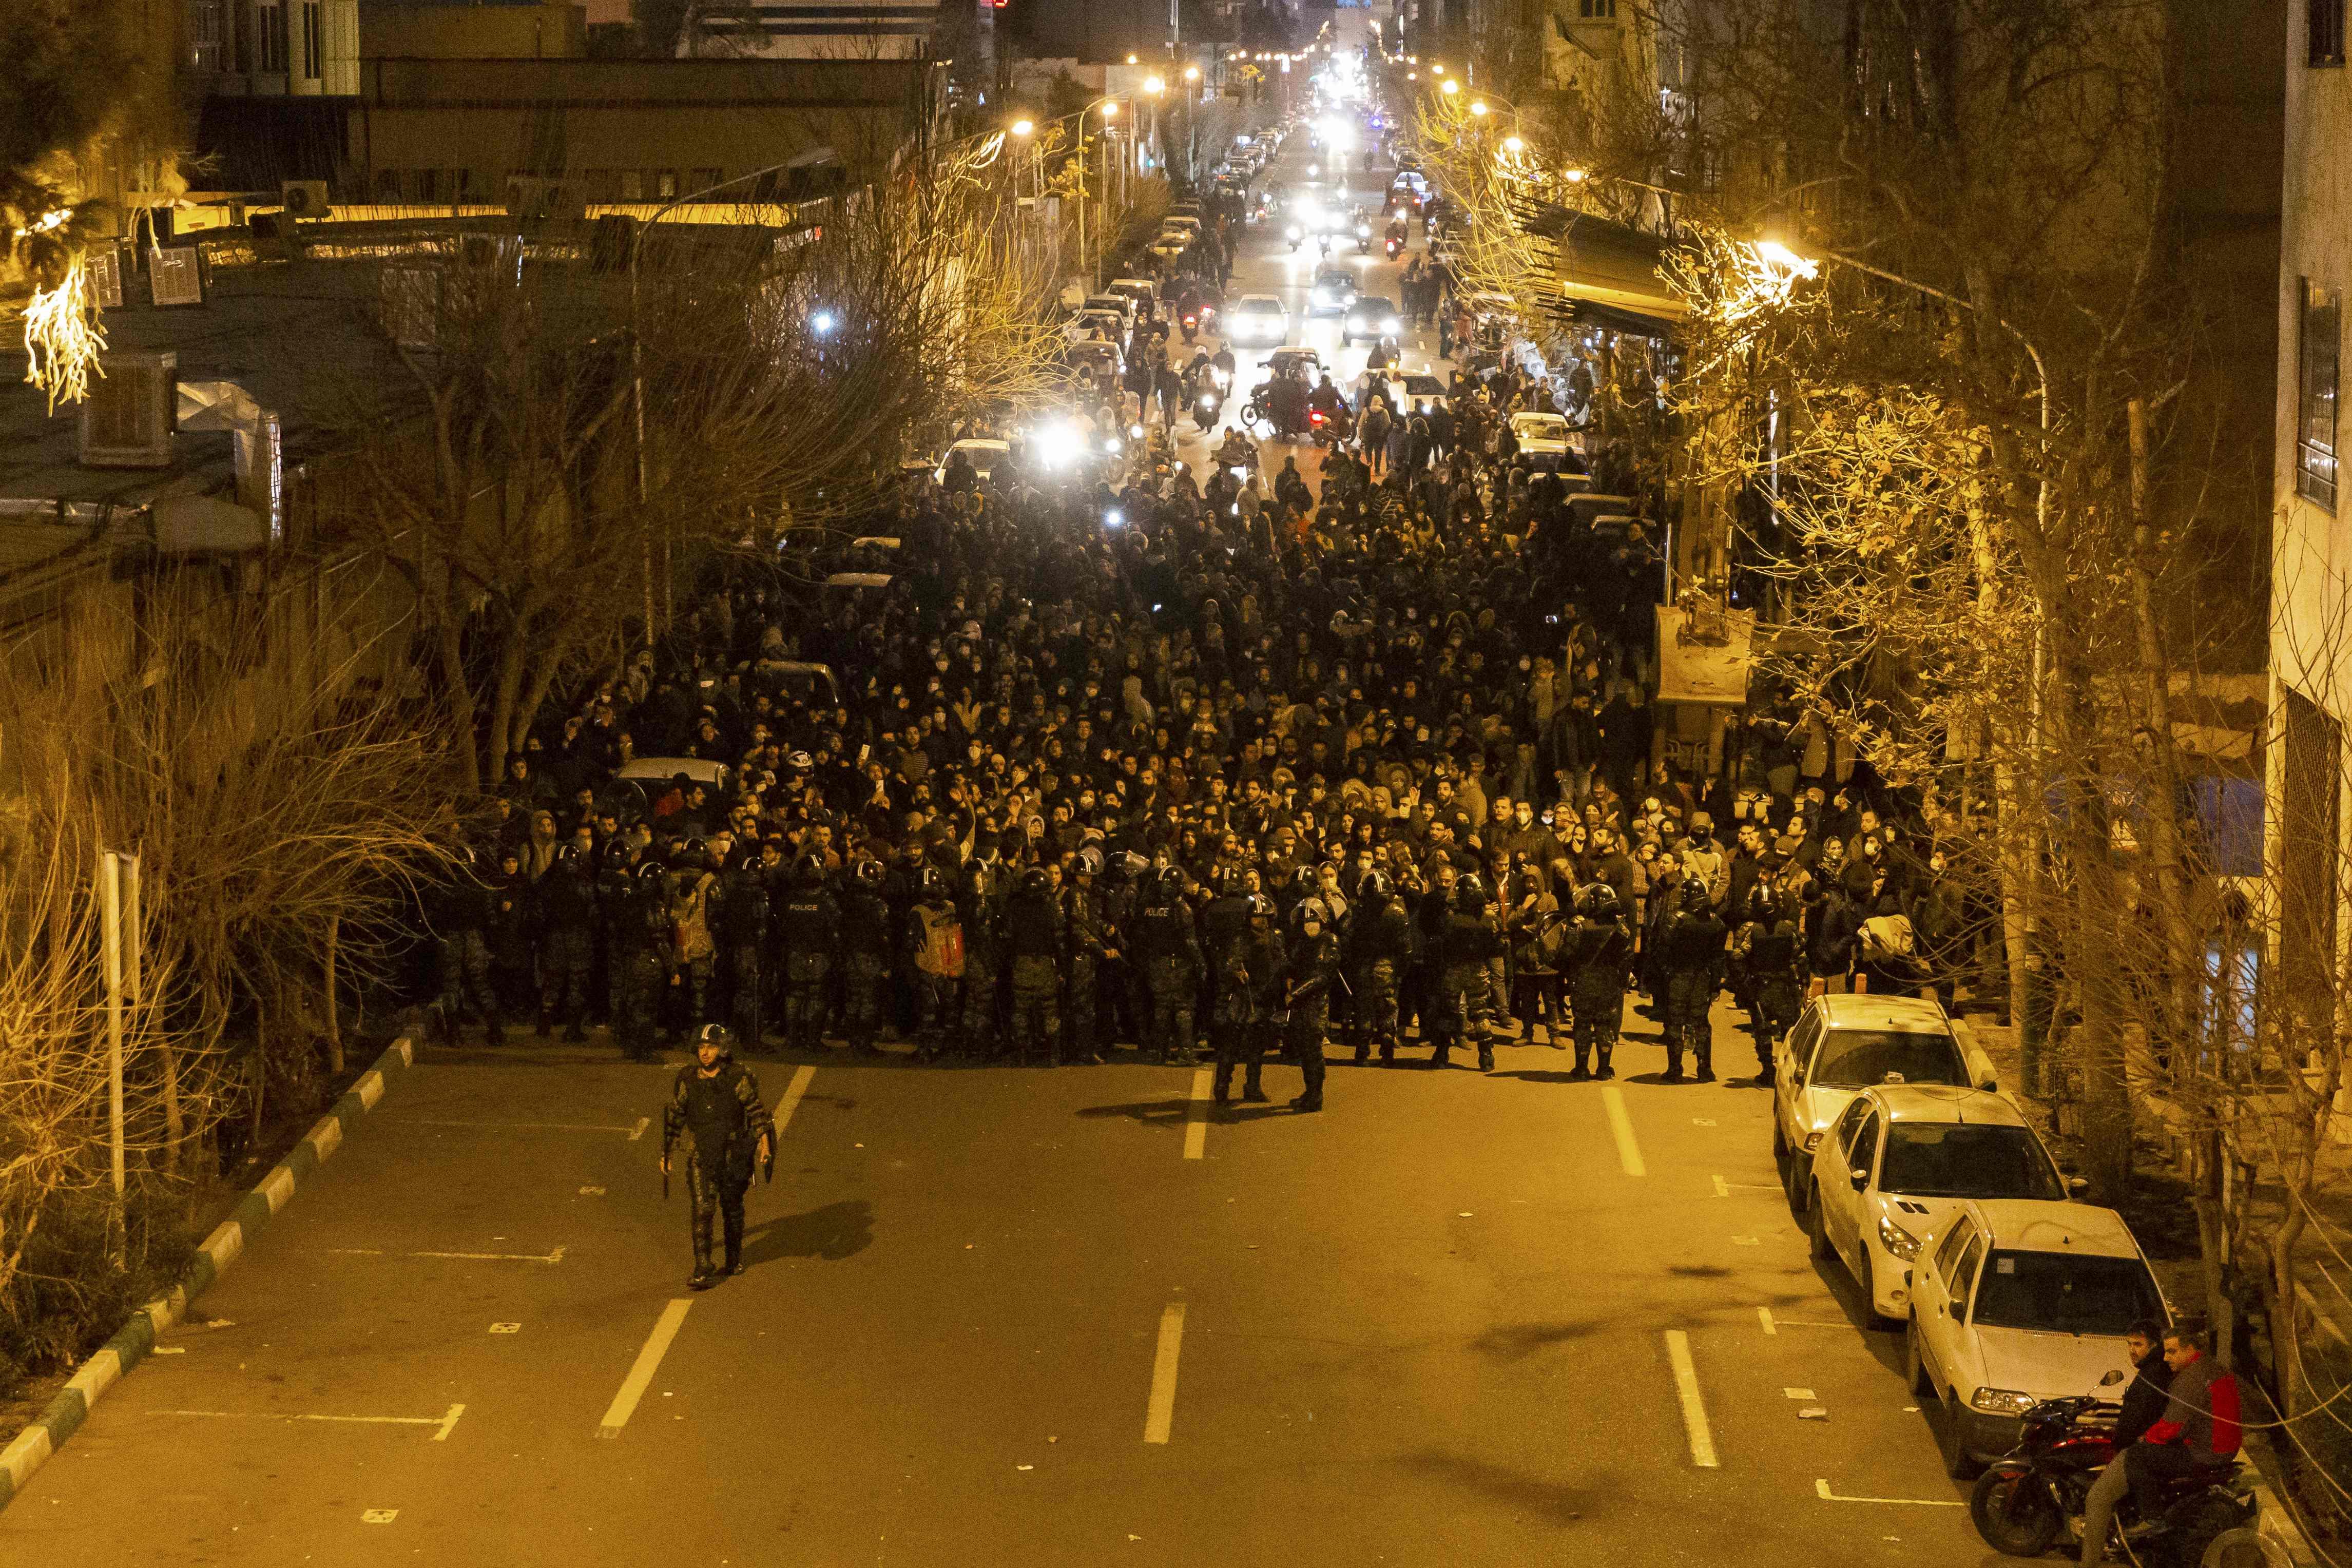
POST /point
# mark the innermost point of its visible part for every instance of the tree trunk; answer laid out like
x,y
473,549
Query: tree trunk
x,y
335,1013
175,1118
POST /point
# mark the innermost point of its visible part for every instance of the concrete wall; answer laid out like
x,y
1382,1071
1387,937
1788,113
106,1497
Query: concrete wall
x,y
556,30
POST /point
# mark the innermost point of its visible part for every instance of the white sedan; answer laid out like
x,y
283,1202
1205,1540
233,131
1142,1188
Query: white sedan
x,y
1895,1169
1544,439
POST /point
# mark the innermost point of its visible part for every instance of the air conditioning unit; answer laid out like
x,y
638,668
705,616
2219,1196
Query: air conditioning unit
x,y
177,276
305,198
532,197
132,412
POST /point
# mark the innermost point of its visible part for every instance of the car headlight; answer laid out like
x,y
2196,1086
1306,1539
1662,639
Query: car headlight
x,y
1389,324
1897,1240
1363,231
2002,1401
1812,1141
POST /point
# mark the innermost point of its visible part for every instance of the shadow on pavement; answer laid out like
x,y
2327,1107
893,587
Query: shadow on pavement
x,y
1698,1271
1561,1505
837,1230
1167,1112
1517,1341
1549,1075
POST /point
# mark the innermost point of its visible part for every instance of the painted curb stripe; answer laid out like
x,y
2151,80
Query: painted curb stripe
x,y
32,1448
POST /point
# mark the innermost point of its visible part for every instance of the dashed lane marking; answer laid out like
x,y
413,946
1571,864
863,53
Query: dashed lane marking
x,y
555,1256
793,1092
442,1424
1702,1439
1629,1153
1765,1321
1159,1411
1196,1117
632,1133
641,1371
1821,1491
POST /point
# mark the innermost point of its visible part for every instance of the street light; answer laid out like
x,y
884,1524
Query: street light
x,y
1452,87
1513,144
1478,106
1023,126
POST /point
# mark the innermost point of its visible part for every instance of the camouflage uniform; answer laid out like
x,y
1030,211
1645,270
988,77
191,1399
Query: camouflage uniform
x,y
722,1116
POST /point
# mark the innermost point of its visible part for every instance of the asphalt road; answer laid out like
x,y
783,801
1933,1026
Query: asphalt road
x,y
1441,1322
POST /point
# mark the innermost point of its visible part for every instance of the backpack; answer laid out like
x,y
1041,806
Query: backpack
x,y
1885,938
938,942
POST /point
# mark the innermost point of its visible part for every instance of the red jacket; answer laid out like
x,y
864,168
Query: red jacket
x,y
2202,1415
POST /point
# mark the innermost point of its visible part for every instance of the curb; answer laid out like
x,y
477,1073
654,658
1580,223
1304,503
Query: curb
x,y
49,1431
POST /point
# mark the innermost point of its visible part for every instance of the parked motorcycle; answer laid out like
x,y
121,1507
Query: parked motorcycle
x,y
2024,1501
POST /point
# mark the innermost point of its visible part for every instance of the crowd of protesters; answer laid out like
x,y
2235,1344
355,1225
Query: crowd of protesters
x,y
1119,757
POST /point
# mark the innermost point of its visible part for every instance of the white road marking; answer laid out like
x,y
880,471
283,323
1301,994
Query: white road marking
x,y
1196,1119
378,1515
1159,1413
553,1257
1821,1491
1748,1241
1764,1318
791,1099
1722,1188
1807,1323
506,1328
639,1130
1629,1154
1702,1440
442,1422
1796,1393
641,1372
630,1134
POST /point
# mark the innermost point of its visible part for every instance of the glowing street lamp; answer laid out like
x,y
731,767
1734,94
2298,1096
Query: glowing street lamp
x,y
1154,85
1514,145
1452,87
1477,107
1023,126
1775,253
1574,176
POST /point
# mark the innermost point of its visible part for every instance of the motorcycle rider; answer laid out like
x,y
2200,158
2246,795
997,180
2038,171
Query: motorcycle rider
x,y
2199,1431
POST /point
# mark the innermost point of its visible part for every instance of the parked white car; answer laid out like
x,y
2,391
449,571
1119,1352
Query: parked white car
x,y
1544,439
982,453
1842,1045
1898,1165
2021,1301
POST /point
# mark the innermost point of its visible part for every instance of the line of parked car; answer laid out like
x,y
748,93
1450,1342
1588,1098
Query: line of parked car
x,y
1921,1179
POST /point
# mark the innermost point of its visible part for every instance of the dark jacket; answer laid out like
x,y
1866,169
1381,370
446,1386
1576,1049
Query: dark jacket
x,y
2145,1400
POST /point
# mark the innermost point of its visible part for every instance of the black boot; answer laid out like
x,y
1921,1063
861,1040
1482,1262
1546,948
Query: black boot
x,y
1600,1068
1223,1090
1363,1054
1253,1093
1486,1057
1310,1101
734,1264
1581,1071
1388,1054
704,1275
1439,1059
1674,1073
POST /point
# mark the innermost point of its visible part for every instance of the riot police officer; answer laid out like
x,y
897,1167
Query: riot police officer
x,y
743,919
1314,969
1167,949
983,961
807,929
1772,950
567,942
1091,945
1470,939
936,957
1594,963
1249,999
1690,959
460,916
715,1105
1378,947
1032,948
865,956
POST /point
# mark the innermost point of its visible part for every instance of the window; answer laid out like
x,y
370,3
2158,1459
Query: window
x,y
1963,1277
1843,1134
2060,1292
665,184
1864,1149
1946,1159
311,43
633,185
387,185
1948,1253
2327,33
2314,447
1597,10
1858,1058
273,37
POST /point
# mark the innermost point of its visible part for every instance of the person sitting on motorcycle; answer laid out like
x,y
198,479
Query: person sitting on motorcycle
x,y
1237,451
1289,401
1223,361
2199,1431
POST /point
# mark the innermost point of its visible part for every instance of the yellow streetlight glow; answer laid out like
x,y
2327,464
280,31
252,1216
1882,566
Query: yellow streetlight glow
x,y
1479,107
1513,144
1153,84
1130,60
1778,255
1452,86
1574,176
1191,73
1439,69
1412,76
1023,127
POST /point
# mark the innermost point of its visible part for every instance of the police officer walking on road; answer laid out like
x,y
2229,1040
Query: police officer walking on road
x,y
716,1104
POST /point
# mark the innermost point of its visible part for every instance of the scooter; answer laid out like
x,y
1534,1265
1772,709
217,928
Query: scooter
x,y
1204,410
1294,233
1192,328
1395,247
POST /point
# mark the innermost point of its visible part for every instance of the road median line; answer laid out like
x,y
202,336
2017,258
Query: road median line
x,y
1702,1439
1621,1126
1159,1411
135,1340
642,1370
